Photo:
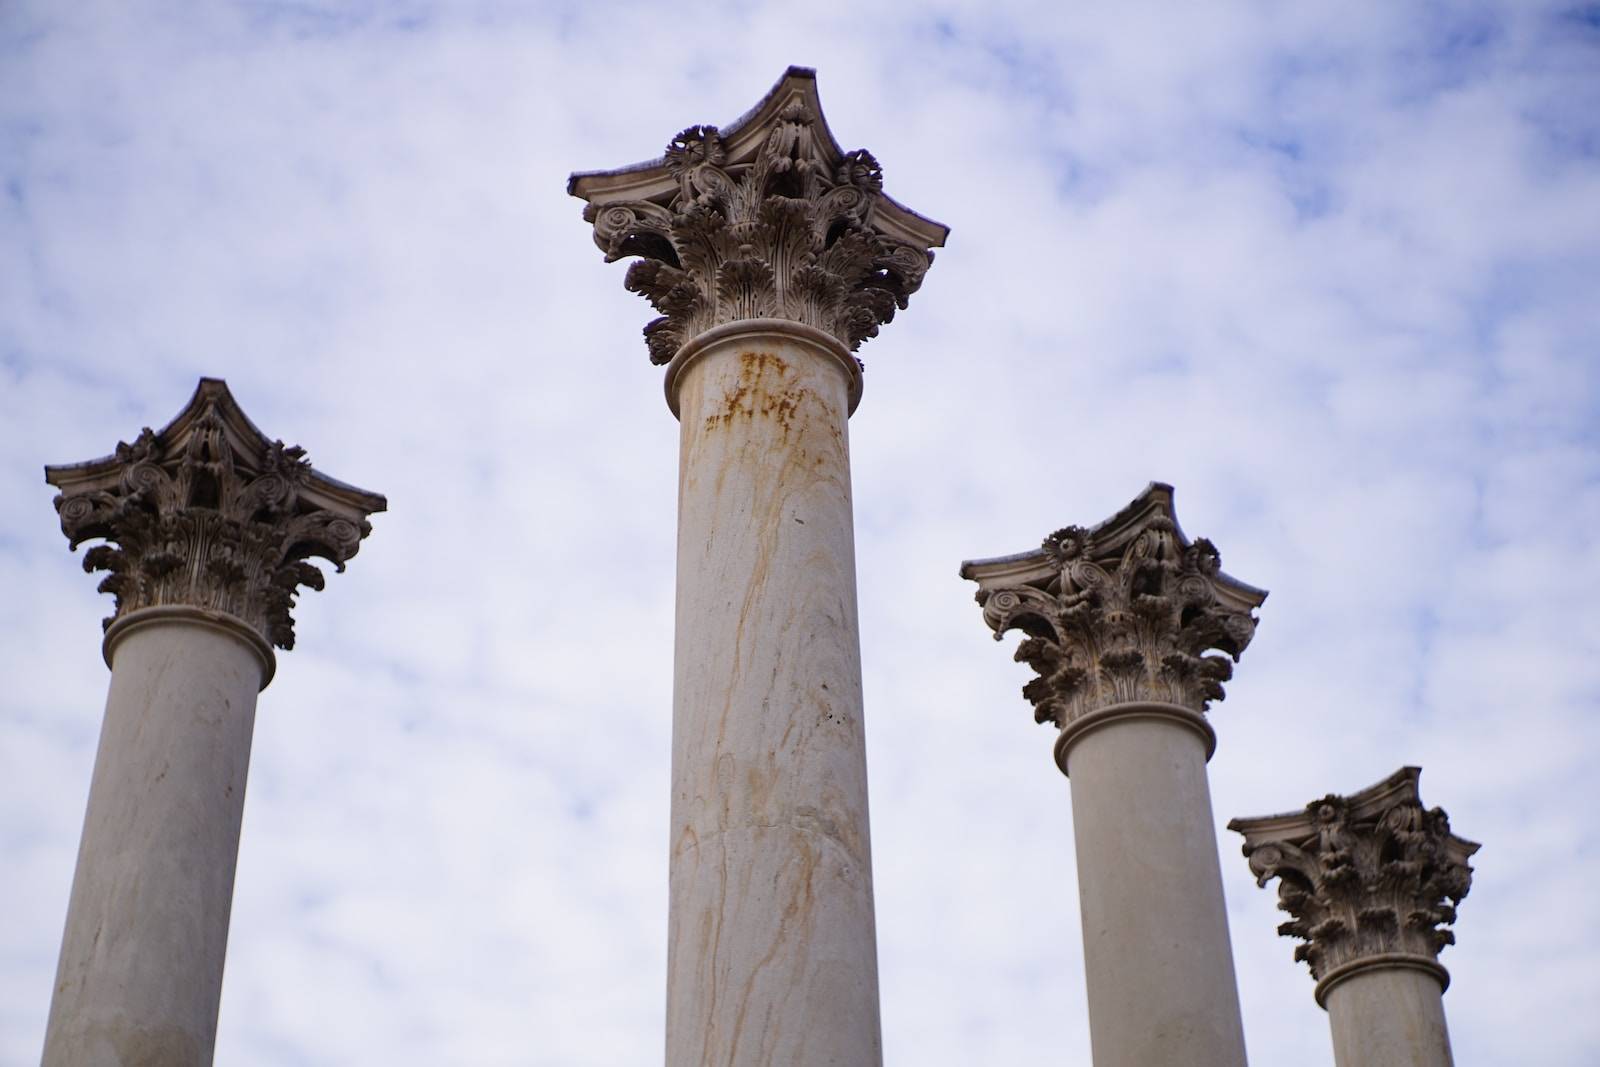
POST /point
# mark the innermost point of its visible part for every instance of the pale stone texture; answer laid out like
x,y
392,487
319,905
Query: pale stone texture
x,y
1371,881
771,255
140,975
208,527
1119,619
1161,982
1388,1017
771,944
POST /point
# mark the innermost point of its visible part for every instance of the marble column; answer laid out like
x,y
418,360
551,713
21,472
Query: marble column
x,y
1118,620
1371,881
772,255
208,527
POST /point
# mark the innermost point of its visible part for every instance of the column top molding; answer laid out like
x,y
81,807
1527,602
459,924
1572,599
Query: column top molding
x,y
210,513
1369,879
1122,612
746,331
767,217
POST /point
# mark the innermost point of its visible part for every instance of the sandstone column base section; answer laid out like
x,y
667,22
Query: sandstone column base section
x,y
1387,1012
1158,962
772,955
140,975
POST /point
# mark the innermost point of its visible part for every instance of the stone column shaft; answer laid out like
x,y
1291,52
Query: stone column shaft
x,y
1118,619
1388,1016
208,527
771,255
140,975
1158,962
771,942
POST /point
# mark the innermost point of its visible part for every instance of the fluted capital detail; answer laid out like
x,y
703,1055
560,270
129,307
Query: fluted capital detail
x,y
1373,874
1129,610
767,218
210,513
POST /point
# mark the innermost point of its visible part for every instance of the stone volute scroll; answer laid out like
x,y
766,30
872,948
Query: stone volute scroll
x,y
1129,611
209,513
1369,879
767,218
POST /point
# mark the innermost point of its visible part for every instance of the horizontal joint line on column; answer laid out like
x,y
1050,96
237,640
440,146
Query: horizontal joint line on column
x,y
723,831
1175,714
788,329
1381,961
184,614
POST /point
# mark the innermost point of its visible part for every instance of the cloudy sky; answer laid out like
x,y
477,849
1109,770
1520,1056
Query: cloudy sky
x,y
1329,269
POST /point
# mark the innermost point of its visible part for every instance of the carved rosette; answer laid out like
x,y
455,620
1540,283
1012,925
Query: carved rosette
x,y
780,225
1129,611
1367,875
209,513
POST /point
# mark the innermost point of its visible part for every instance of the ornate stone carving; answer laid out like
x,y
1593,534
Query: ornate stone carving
x,y
210,513
768,219
1125,611
1365,875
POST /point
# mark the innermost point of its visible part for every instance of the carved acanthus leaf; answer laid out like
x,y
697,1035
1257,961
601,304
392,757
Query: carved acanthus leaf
x,y
1128,611
1364,875
785,227
209,515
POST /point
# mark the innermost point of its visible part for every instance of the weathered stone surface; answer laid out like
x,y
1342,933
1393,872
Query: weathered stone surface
x,y
1365,875
767,218
140,974
1160,982
209,513
771,254
771,950
1125,611
1388,1017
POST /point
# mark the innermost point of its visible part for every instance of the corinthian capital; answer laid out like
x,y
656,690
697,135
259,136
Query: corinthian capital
x,y
1125,611
767,218
1364,876
210,513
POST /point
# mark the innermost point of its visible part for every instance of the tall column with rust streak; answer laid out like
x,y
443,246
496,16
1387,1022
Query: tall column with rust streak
x,y
1371,881
208,526
772,953
1119,618
772,255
